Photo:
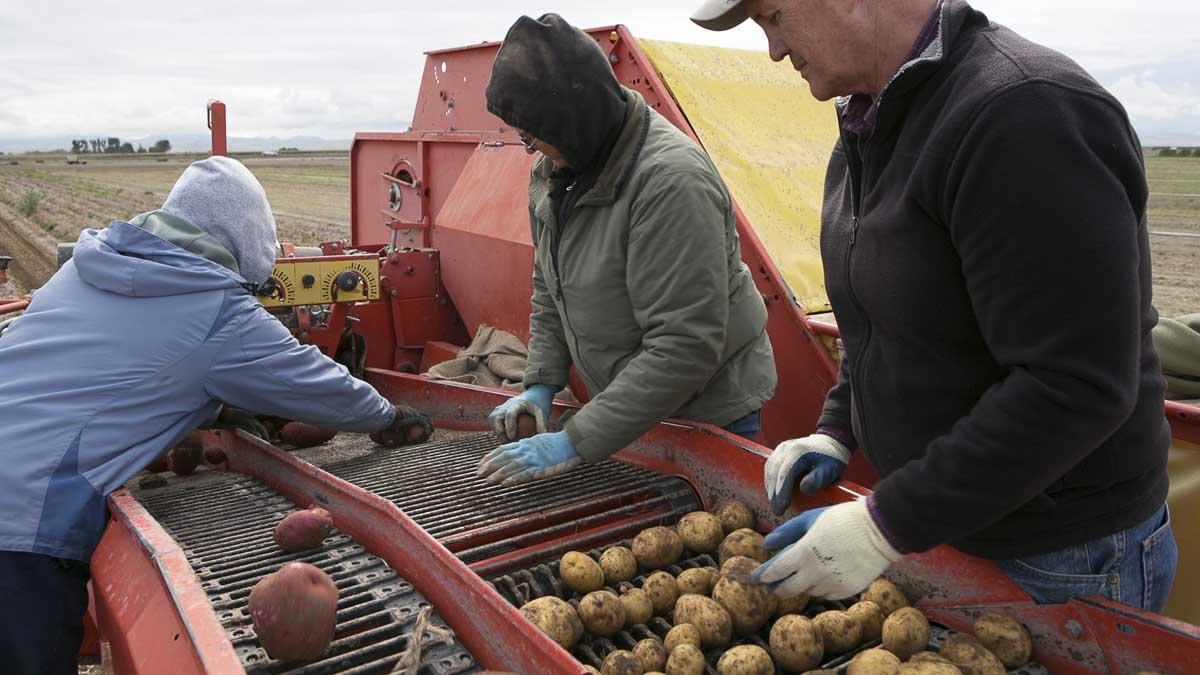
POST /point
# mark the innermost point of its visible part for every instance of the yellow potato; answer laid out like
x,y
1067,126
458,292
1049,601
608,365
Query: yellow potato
x,y
621,662
1004,637
682,634
839,631
796,643
685,660
663,591
746,660
638,607
580,573
792,605
744,542
592,670
905,632
749,605
697,581
708,616
965,652
928,668
652,654
874,662
618,565
602,613
870,617
557,619
657,547
885,594
701,532
735,515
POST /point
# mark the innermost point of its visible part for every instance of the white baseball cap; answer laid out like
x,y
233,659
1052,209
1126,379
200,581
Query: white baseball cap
x,y
720,14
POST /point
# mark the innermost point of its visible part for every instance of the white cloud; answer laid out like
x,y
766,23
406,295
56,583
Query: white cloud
x,y
140,67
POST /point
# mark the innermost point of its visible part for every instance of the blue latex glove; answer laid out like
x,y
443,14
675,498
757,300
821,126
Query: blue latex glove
x,y
529,459
831,552
820,456
536,401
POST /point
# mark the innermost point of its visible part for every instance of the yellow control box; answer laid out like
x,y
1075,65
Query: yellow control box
x,y
315,281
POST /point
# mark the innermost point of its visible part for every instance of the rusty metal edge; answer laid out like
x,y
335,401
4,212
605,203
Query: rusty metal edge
x,y
199,622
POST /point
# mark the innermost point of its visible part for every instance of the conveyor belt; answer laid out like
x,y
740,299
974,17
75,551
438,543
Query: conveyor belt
x,y
224,524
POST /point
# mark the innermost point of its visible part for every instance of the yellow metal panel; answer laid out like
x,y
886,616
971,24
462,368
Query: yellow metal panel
x,y
284,276
1183,464
290,277
771,142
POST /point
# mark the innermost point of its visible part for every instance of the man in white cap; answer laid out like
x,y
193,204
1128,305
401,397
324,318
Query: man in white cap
x,y
136,341
985,251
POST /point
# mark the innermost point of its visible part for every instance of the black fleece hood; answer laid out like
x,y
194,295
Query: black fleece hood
x,y
553,81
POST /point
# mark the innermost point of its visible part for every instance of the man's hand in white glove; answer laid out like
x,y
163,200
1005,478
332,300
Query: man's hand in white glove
x,y
820,456
832,552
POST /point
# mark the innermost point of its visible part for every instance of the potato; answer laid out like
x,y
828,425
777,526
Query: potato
x,y
686,660
796,643
294,611
526,426
592,670
621,662
906,632
735,515
697,581
602,613
184,459
663,591
742,542
701,532
1004,637
927,656
580,573
302,530
682,634
638,608
969,656
792,605
708,616
928,668
304,435
618,565
874,662
557,619
746,660
657,548
870,616
651,654
885,594
839,631
749,605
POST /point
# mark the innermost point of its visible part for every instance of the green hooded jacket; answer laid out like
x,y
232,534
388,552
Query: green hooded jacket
x,y
644,290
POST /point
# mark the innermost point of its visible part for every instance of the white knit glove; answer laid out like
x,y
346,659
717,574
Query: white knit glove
x,y
832,552
820,456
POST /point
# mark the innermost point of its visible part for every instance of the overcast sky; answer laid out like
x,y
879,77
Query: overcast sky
x,y
141,67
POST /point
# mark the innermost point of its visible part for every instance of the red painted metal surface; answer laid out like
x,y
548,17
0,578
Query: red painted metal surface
x,y
148,602
1184,420
216,122
7,306
491,629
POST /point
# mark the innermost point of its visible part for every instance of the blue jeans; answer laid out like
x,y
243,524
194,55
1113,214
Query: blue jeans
x,y
1134,566
747,427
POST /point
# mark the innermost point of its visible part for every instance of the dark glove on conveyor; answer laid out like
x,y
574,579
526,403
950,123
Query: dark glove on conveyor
x,y
236,418
408,428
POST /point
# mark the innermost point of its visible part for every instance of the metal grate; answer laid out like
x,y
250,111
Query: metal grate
x,y
435,484
224,523
543,579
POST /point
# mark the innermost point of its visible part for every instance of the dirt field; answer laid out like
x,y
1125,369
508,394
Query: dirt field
x,y
310,194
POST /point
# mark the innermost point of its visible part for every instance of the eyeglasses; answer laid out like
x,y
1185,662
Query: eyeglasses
x,y
527,141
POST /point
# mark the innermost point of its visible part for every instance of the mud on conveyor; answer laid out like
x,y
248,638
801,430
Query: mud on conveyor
x,y
543,579
224,523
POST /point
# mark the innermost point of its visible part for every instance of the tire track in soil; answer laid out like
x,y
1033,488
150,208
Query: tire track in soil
x,y
34,253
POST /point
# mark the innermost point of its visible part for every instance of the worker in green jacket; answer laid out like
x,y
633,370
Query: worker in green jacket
x,y
638,279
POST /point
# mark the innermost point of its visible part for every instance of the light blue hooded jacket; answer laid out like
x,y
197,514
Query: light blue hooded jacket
x,y
130,346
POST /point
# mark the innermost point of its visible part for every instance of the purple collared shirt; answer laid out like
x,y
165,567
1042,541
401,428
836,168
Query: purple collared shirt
x,y
861,111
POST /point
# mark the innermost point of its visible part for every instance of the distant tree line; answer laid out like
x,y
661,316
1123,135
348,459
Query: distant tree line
x,y
112,144
1179,152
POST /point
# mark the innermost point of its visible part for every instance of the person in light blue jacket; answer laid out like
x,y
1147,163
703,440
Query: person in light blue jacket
x,y
136,341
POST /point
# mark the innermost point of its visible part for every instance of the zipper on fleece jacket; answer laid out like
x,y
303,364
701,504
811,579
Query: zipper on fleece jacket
x,y
856,159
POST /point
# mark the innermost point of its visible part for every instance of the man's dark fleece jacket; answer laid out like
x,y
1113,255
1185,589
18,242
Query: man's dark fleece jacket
x,y
986,254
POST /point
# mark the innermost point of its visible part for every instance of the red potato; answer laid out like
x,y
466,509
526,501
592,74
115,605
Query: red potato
x,y
184,459
304,435
416,434
303,530
526,426
294,612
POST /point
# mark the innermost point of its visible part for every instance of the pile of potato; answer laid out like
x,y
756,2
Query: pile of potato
x,y
712,609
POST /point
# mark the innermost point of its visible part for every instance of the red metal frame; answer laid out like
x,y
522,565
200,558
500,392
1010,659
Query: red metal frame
x,y
216,122
8,305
